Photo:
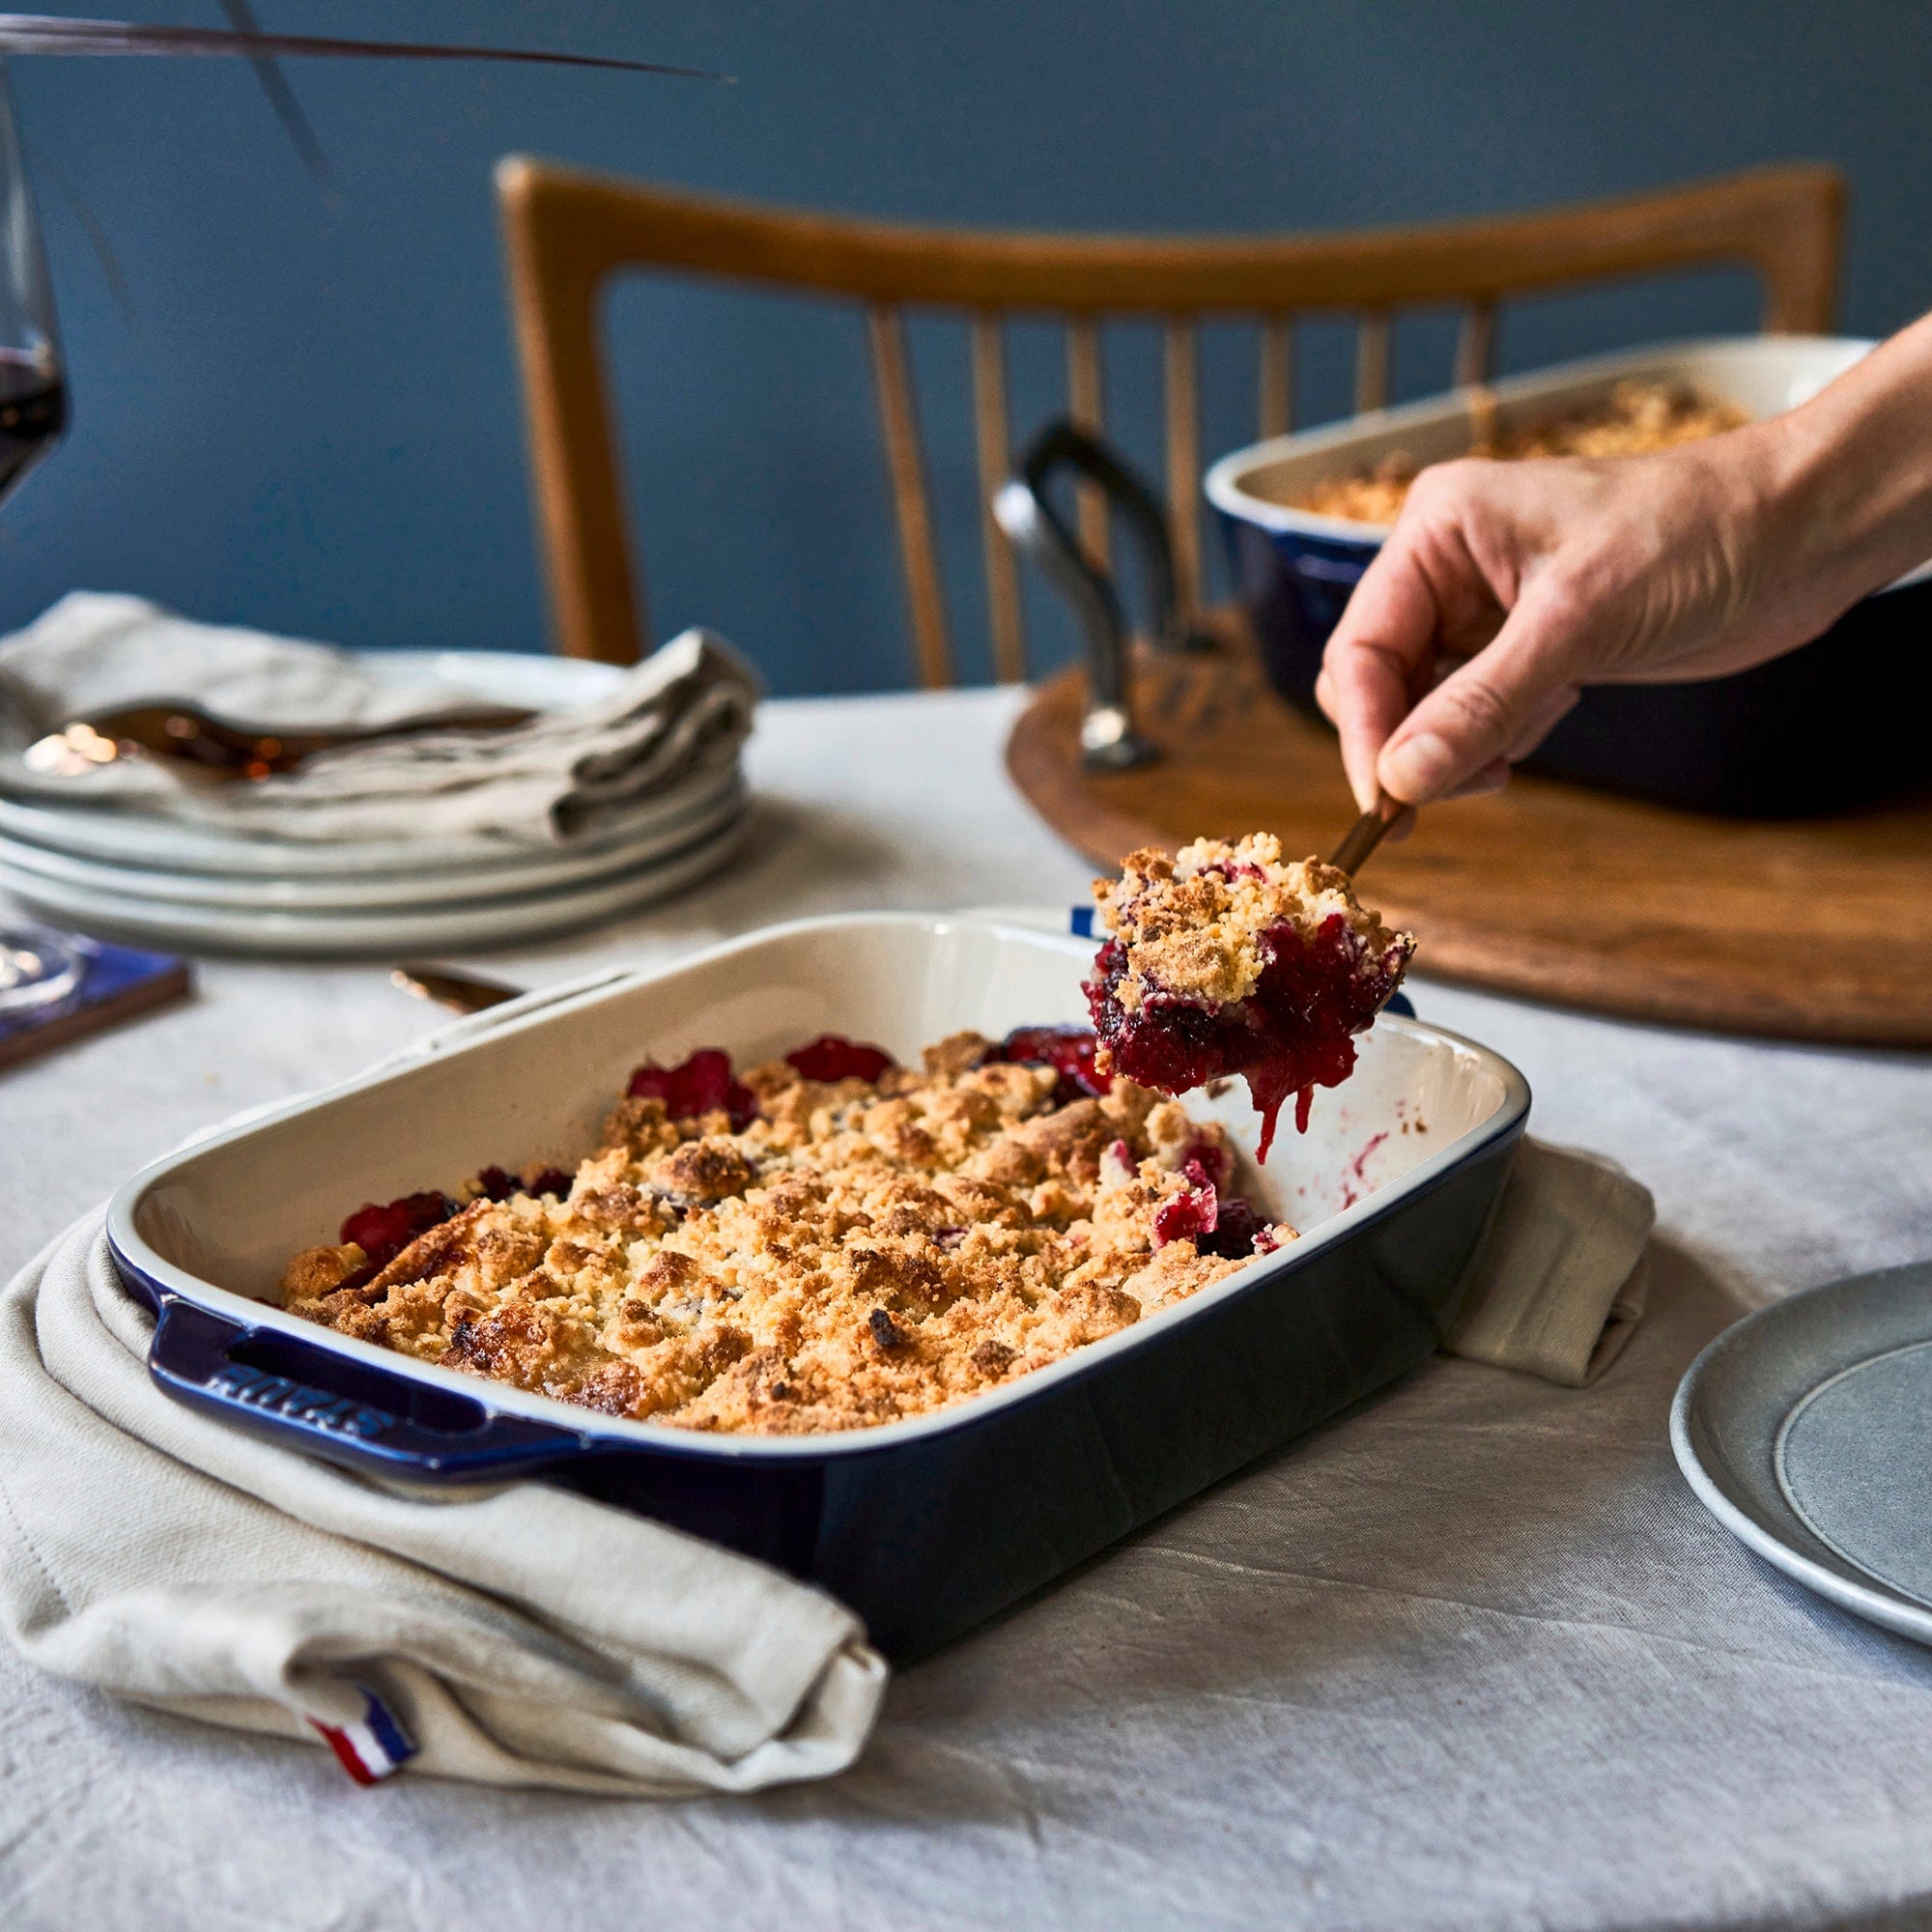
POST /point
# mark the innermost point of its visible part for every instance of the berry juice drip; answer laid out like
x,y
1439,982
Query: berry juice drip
x,y
1293,1033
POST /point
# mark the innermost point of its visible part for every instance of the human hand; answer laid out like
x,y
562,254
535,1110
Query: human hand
x,y
1506,587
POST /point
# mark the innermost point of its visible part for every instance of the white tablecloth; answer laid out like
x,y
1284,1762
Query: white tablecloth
x,y
1472,1655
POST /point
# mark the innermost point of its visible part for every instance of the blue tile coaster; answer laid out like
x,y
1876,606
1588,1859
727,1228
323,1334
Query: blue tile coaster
x,y
117,983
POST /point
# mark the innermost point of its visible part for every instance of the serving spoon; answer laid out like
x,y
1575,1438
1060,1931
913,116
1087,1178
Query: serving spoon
x,y
449,986
474,992
1369,831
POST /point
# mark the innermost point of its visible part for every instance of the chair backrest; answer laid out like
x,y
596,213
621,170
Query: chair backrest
x,y
566,231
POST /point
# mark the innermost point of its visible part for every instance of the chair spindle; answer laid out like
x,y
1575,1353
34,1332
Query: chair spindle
x,y
1183,464
1476,343
1276,384
990,428
899,420
1084,406
1372,361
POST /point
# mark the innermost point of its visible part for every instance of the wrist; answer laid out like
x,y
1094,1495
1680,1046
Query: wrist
x,y
1846,480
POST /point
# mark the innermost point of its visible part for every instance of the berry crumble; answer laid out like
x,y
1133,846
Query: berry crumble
x,y
823,1242
1224,960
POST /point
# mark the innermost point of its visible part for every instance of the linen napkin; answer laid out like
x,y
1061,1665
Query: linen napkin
x,y
685,709
524,1635
1558,1285
521,1637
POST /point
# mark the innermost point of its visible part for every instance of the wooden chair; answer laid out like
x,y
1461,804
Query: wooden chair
x,y
567,232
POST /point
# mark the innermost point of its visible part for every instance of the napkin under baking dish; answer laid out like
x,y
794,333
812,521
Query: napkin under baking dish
x,y
521,1637
527,1636
686,708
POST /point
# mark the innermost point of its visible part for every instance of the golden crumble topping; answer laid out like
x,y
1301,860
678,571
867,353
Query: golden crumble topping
x,y
1198,925
1637,417
1227,960
856,1250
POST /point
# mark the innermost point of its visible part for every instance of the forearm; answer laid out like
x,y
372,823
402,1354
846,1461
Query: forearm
x,y
1854,471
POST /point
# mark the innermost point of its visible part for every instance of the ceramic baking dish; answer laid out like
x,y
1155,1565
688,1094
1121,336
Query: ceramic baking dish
x,y
924,1526
1798,736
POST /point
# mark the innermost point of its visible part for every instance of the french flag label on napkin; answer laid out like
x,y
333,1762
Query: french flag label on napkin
x,y
373,1750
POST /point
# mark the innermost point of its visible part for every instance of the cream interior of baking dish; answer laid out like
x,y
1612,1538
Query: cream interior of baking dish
x,y
218,1222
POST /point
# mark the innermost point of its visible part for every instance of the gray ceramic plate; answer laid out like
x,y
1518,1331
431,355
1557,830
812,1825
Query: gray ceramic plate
x,y
1806,1431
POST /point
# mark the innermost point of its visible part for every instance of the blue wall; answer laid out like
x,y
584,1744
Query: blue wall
x,y
304,416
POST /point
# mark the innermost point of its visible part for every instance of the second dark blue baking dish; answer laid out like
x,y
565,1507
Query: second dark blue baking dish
x,y
1800,736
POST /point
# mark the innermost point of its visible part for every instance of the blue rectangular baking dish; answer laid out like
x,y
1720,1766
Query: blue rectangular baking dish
x,y
925,1528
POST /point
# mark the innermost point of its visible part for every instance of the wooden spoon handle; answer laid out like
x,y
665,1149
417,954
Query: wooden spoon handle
x,y
1369,831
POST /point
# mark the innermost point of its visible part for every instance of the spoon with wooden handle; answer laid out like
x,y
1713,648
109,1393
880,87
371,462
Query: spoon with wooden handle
x,y
211,747
450,987
1369,831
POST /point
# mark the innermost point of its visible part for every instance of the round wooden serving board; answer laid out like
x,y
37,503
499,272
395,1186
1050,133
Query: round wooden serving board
x,y
1804,930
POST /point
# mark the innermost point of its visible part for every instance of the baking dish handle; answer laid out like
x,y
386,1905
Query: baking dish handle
x,y
300,1396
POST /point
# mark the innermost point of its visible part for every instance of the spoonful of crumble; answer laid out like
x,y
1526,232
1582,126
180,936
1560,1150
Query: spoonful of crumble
x,y
1227,959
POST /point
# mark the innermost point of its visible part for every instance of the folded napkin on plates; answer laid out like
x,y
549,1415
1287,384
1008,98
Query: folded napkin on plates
x,y
1558,1284
686,709
523,1637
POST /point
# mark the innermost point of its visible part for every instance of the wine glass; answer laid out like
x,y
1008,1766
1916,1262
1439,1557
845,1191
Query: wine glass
x,y
37,966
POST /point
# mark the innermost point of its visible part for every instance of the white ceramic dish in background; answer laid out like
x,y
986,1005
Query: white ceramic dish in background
x,y
120,839
924,1526
391,930
1802,1429
1792,738
544,870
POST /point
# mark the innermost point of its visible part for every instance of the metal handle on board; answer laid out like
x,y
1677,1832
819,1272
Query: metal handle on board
x,y
1109,739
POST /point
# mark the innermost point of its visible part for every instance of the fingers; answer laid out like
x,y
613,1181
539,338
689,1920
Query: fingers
x,y
1497,706
1365,702
1546,718
1375,659
1480,784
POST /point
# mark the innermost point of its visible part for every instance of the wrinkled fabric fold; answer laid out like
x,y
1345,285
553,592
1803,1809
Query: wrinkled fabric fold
x,y
523,1635
1558,1285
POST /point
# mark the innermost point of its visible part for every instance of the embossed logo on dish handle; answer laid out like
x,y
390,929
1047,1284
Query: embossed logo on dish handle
x,y
300,1402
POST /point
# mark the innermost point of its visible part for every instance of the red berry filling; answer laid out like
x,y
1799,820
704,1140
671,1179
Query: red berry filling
x,y
703,1084
833,1057
496,1183
1187,1217
1237,1231
384,1231
1068,1050
1293,1033
1228,1227
1205,1164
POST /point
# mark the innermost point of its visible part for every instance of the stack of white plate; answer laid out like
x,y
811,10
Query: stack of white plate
x,y
200,886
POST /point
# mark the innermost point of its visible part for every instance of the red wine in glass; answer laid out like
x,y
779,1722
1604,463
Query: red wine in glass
x,y
33,413
39,968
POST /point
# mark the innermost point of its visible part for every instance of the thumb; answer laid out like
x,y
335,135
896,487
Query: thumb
x,y
1495,706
